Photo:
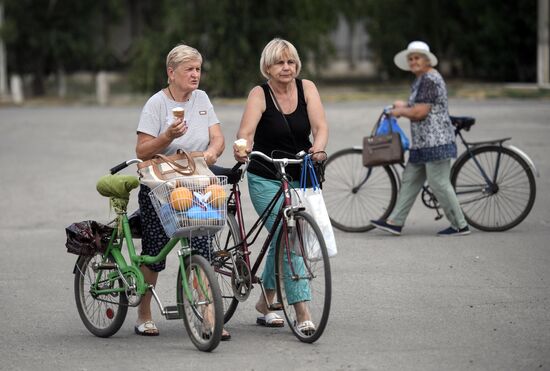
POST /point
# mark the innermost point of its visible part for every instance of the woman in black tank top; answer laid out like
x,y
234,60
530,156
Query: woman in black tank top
x,y
265,130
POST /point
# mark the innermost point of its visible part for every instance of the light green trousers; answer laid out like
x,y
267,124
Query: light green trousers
x,y
437,173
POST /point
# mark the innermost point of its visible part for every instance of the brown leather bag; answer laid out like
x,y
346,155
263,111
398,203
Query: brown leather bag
x,y
182,164
380,150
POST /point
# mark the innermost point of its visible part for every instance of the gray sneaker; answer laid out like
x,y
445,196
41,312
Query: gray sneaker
x,y
451,232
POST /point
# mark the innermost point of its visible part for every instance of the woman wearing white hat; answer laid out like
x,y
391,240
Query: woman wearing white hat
x,y
433,142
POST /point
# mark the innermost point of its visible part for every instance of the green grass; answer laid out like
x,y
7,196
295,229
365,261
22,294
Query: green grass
x,y
401,90
81,91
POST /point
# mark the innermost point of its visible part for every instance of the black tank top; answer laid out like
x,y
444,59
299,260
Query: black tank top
x,y
273,136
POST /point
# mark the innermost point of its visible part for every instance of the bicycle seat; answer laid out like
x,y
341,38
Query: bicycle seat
x,y
117,186
233,174
463,122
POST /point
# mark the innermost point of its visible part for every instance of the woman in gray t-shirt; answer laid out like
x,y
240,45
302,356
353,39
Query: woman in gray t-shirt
x,y
159,131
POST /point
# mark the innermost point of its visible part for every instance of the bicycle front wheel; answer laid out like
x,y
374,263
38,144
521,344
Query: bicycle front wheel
x,y
224,248
304,282
502,203
103,315
200,303
354,195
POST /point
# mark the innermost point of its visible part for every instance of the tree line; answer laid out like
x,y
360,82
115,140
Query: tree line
x,y
491,40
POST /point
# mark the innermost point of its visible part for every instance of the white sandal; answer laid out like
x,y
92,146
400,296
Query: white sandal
x,y
147,328
271,319
307,328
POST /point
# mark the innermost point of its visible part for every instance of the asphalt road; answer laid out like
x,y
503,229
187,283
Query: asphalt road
x,y
415,302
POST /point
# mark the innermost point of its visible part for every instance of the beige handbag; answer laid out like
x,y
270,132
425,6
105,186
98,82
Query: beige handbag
x,y
162,168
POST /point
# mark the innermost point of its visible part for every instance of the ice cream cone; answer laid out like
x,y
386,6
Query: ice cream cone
x,y
178,112
241,146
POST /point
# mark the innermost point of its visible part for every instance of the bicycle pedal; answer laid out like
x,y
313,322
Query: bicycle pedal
x,y
104,266
276,306
222,253
171,312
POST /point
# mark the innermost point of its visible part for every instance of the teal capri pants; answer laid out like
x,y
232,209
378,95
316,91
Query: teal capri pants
x,y
262,191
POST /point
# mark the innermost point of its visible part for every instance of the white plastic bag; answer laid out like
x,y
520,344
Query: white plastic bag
x,y
312,199
314,203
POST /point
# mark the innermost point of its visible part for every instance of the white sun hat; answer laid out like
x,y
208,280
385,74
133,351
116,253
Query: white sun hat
x,y
420,47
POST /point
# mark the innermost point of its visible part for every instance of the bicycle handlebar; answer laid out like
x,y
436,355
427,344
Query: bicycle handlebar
x,y
282,161
124,165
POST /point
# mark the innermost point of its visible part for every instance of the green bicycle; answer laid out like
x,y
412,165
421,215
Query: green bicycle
x,y
106,283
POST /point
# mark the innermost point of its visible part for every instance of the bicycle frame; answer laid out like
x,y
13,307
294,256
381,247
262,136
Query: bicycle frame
x,y
490,180
486,173
124,269
302,287
256,228
248,238
106,283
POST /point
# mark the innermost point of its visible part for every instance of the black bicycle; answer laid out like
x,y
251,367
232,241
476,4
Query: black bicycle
x,y
494,182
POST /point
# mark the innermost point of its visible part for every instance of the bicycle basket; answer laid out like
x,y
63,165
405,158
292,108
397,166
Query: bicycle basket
x,y
191,206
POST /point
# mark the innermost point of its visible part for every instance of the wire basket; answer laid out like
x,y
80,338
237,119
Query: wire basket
x,y
191,206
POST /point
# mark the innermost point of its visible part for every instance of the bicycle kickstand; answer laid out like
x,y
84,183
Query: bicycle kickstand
x,y
270,306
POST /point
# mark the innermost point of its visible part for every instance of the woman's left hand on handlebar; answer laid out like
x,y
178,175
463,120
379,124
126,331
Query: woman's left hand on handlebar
x,y
317,155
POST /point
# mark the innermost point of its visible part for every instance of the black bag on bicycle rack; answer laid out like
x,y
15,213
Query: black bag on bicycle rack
x,y
87,238
135,224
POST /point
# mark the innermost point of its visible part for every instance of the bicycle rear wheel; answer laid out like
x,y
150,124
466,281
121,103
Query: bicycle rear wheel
x,y
103,315
499,206
304,283
354,195
223,250
202,309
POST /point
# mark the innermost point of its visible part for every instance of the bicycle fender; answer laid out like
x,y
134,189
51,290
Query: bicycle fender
x,y
526,158
512,148
75,268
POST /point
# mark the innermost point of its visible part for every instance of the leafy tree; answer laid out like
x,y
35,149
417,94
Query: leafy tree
x,y
44,36
354,12
230,34
477,39
500,42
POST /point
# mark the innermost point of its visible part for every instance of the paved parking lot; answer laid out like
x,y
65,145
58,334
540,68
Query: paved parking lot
x,y
414,302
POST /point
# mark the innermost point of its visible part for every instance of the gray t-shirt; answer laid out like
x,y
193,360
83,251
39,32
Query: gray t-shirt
x,y
156,117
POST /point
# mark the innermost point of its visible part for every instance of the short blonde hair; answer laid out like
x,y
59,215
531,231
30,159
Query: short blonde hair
x,y
180,54
274,51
